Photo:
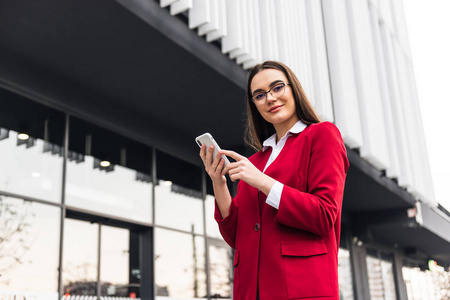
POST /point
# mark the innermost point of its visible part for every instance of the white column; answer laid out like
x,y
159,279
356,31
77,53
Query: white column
x,y
343,88
374,148
319,61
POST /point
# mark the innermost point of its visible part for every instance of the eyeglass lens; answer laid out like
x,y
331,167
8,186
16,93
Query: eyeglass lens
x,y
276,91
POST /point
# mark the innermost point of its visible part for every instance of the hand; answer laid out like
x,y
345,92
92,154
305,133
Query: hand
x,y
214,168
244,170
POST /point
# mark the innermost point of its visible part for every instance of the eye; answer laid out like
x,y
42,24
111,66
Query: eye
x,y
278,88
259,96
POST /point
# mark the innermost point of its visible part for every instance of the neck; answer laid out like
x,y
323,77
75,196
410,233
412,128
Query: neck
x,y
282,128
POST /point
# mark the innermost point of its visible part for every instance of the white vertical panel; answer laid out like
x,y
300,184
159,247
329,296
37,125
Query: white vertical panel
x,y
255,35
426,190
222,30
214,22
404,178
423,178
386,13
400,27
374,3
250,38
300,50
291,33
295,53
282,30
343,89
273,4
374,148
319,62
393,169
245,32
408,118
233,39
421,186
164,3
288,33
268,36
180,6
199,14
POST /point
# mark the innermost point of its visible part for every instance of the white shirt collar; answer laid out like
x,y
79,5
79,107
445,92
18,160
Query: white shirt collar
x,y
271,141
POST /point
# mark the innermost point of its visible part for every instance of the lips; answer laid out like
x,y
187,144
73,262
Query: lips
x,y
275,108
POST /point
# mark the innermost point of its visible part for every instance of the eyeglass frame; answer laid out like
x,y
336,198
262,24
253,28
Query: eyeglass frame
x,y
269,91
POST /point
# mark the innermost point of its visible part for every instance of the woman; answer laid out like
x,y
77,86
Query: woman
x,y
284,221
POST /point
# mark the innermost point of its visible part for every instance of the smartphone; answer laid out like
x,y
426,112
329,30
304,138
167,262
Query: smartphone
x,y
208,140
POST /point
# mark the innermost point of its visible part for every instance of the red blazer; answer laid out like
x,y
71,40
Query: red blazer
x,y
292,252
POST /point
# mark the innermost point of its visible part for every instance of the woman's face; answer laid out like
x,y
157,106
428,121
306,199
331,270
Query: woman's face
x,y
280,111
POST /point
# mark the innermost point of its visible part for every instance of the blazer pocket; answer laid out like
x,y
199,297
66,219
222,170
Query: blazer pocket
x,y
236,274
307,269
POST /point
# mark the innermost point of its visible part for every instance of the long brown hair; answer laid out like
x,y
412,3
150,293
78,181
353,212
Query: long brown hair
x,y
258,129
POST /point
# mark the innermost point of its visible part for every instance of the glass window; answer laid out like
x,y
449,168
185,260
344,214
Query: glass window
x,y
179,265
426,284
212,228
29,248
178,207
381,278
115,261
80,257
345,275
220,269
31,139
108,173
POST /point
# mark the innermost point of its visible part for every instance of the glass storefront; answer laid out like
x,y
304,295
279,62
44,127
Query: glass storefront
x,y
179,265
80,257
175,209
221,270
31,139
433,284
108,179
212,229
381,277
96,260
108,174
345,275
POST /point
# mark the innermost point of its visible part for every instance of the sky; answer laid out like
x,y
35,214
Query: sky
x,y
428,25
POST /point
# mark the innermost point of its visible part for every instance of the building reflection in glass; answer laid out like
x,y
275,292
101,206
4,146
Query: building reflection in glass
x,y
115,261
29,246
179,265
177,209
345,275
220,270
31,139
212,229
381,278
80,257
108,173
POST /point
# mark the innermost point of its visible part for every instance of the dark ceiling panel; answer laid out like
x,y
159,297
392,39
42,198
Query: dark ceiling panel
x,y
101,46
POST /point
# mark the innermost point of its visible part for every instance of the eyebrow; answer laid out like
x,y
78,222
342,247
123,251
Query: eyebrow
x,y
270,86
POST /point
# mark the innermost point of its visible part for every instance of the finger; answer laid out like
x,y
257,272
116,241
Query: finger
x,y
216,162
233,177
220,167
209,153
202,151
231,166
232,154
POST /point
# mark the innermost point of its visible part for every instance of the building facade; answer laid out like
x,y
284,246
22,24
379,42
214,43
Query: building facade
x,y
102,192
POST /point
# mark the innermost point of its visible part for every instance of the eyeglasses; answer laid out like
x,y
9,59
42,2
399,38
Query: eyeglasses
x,y
276,91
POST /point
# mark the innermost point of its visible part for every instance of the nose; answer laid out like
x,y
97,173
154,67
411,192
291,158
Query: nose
x,y
270,97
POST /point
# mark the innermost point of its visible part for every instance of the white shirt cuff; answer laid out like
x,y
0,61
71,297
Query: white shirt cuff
x,y
274,197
